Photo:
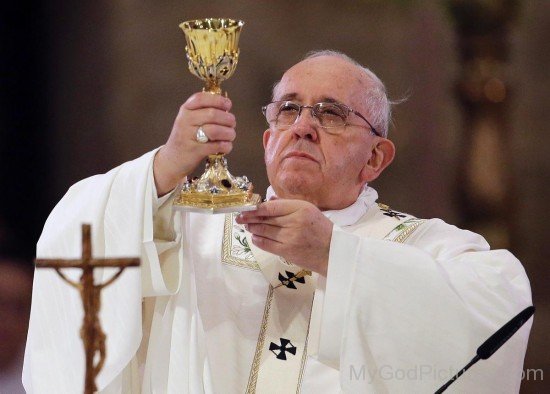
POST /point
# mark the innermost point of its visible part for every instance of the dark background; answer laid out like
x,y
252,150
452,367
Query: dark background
x,y
88,85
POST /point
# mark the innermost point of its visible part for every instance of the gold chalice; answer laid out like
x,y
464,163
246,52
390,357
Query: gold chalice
x,y
212,53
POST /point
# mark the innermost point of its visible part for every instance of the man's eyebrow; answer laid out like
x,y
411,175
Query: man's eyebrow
x,y
328,99
293,96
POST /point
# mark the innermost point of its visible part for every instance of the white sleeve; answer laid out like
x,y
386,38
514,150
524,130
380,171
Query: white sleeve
x,y
402,318
161,243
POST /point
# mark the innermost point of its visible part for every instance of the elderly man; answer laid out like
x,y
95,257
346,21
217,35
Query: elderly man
x,y
319,290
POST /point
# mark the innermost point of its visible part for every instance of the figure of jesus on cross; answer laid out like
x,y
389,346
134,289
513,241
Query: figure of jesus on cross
x,y
90,292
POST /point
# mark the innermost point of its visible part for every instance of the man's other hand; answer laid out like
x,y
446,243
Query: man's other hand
x,y
293,229
182,152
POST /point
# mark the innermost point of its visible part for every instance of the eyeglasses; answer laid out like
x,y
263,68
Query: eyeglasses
x,y
332,116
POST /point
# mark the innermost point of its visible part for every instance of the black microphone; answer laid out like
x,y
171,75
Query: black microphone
x,y
494,342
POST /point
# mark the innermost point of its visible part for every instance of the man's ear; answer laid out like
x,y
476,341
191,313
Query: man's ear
x,y
382,154
267,135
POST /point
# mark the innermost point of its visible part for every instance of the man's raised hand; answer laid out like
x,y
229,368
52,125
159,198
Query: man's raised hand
x,y
182,153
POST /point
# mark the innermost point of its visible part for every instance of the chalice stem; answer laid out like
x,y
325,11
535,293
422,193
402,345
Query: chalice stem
x,y
213,86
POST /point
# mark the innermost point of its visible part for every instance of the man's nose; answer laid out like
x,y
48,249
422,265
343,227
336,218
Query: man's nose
x,y
305,125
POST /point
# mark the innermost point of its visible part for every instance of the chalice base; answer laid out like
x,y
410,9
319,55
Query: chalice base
x,y
206,203
217,191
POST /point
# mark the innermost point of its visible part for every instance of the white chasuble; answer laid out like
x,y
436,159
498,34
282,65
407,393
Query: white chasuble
x,y
405,304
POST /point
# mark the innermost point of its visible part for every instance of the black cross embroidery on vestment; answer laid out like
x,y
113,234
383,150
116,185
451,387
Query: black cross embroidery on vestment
x,y
392,214
280,350
288,282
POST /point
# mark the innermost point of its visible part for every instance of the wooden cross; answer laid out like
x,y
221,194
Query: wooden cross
x,y
91,333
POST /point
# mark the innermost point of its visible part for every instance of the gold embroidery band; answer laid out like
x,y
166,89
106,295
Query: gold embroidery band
x,y
304,357
235,249
404,230
252,380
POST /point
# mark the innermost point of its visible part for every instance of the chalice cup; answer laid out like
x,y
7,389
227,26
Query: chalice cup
x,y
212,54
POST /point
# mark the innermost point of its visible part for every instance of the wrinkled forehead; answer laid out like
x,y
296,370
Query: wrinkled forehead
x,y
324,78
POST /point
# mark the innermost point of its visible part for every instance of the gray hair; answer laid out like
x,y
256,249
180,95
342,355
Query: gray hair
x,y
377,98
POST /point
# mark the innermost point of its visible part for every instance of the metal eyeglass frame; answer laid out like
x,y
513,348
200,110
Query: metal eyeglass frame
x,y
312,107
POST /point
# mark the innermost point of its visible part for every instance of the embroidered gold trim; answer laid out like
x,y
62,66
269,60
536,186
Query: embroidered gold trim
x,y
408,231
404,230
227,246
304,356
253,379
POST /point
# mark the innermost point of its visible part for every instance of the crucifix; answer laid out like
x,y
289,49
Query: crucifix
x,y
90,292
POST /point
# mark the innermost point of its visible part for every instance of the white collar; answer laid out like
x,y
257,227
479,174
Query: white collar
x,y
349,215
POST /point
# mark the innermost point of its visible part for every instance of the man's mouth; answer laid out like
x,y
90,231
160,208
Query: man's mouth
x,y
300,156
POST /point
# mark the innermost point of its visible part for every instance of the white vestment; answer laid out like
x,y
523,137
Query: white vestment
x,y
405,304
